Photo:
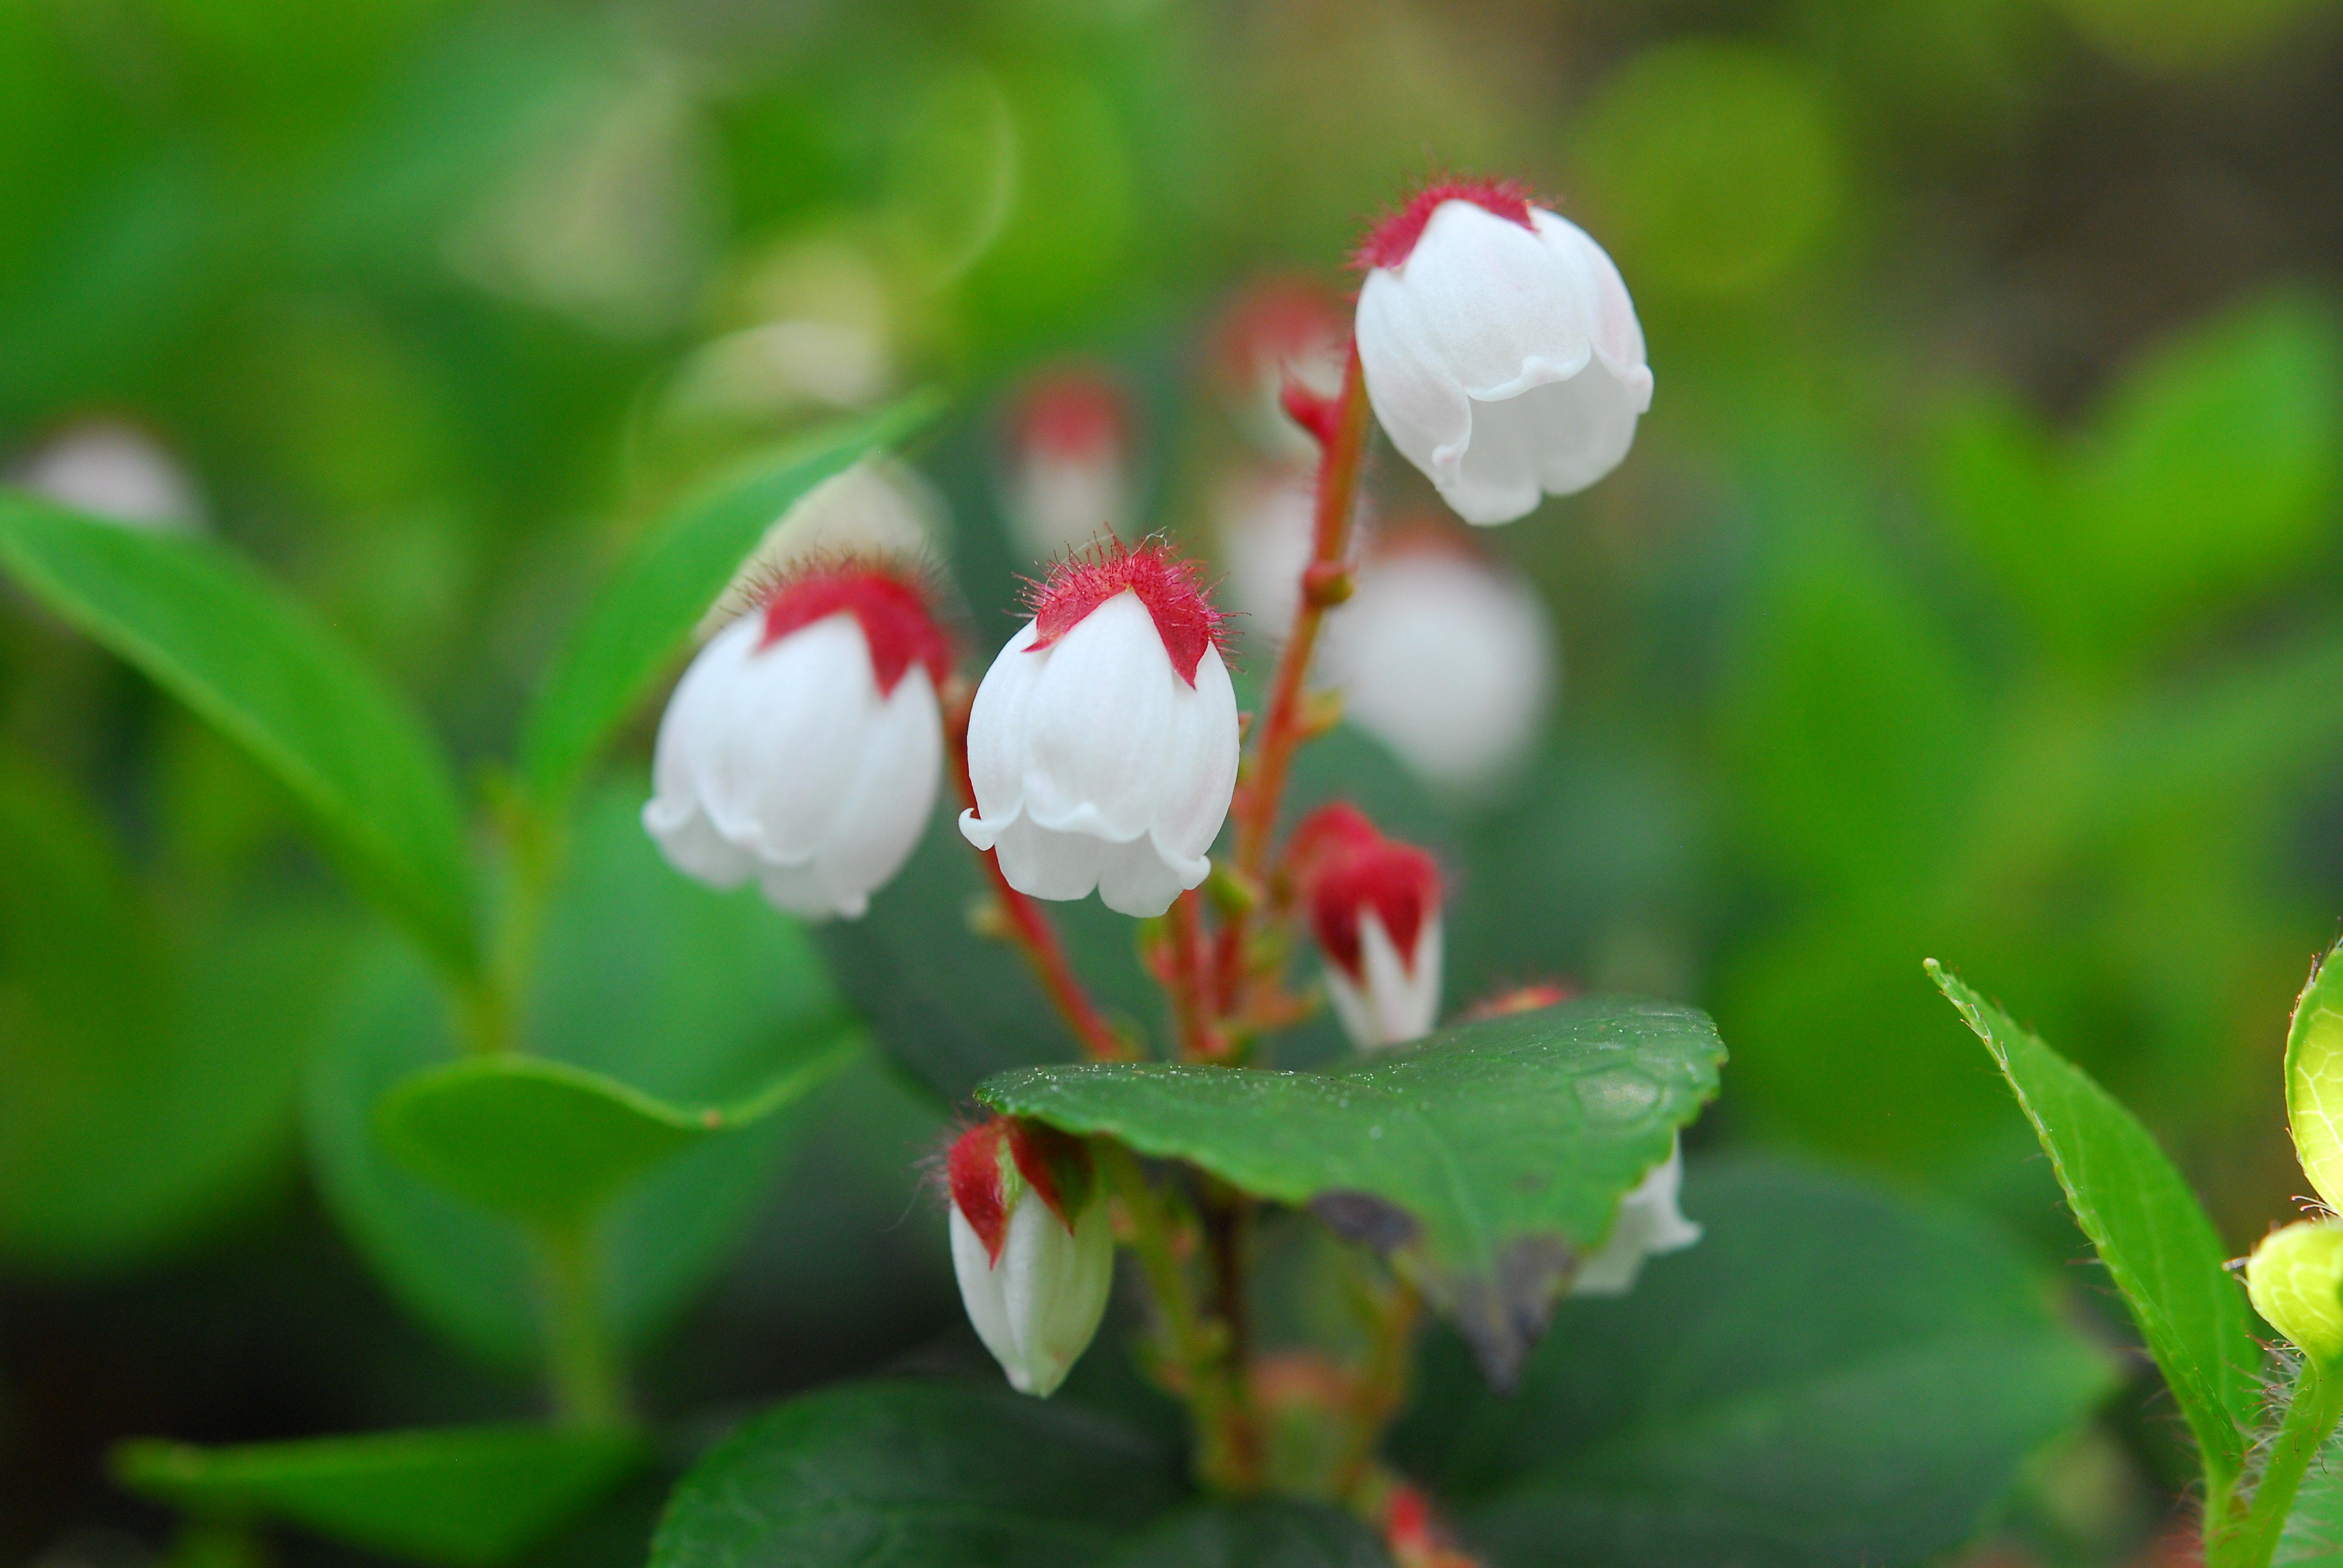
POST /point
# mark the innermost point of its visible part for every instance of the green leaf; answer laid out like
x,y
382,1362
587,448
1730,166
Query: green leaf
x,y
207,628
466,1496
907,1475
550,1144
1487,1159
1277,1534
1834,1376
2313,1536
2158,1245
690,997
666,585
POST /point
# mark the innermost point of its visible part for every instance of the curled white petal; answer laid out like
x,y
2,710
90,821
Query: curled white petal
x,y
1096,766
1649,1224
1504,362
785,764
1038,1306
1392,1003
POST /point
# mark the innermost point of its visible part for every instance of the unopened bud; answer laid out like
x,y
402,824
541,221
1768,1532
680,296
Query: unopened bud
x,y
2314,1080
1374,903
1032,1246
2296,1280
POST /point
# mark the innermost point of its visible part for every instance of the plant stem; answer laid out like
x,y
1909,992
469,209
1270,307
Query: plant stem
x,y
1026,926
1192,993
1228,1450
581,1365
2310,1416
1382,1381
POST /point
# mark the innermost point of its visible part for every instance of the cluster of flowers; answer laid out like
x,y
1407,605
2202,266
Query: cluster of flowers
x,y
804,748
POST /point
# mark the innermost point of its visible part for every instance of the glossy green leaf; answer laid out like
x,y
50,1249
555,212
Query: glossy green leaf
x,y
1833,1375
464,1496
690,997
1487,1160
213,633
666,585
550,1144
2314,1079
1278,1533
2155,1238
909,1475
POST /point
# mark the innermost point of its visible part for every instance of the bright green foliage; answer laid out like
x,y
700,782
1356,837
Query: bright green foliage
x,y
466,1496
2314,1080
550,1144
204,628
911,1476
2154,1239
664,587
687,997
1833,1375
2295,1280
1487,1160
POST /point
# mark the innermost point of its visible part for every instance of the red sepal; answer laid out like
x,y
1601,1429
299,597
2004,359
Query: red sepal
x,y
891,610
1056,1165
1392,241
972,1169
1171,588
1346,867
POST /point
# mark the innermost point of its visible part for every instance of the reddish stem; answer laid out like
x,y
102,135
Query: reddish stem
x,y
1194,1000
1028,926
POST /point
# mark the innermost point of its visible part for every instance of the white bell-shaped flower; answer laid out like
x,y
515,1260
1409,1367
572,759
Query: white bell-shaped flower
x,y
1444,657
803,746
112,470
1649,1223
1102,743
1501,352
1068,482
1374,903
1031,1246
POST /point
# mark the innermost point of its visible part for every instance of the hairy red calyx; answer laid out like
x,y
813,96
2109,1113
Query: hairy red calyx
x,y
1055,1165
891,610
1170,586
1346,868
1072,415
1393,240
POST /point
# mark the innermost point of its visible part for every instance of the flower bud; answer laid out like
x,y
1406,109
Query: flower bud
x,y
1649,1223
1102,743
2296,1281
1031,1246
803,746
1067,483
114,470
1277,330
1375,905
2314,1080
1443,657
1501,351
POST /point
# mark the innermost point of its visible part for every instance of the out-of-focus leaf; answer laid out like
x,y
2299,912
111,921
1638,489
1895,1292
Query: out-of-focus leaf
x,y
1283,1533
1831,1376
2150,1231
684,995
466,1496
2313,1536
147,1078
1487,1159
906,1475
666,584
550,1143
208,630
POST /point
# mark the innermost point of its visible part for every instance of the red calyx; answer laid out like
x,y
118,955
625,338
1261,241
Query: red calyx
x,y
1347,867
1276,321
892,611
972,1170
1171,588
1392,241
1055,1164
1073,414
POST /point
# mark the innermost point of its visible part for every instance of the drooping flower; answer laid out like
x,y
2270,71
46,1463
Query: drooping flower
x,y
1649,1224
115,470
1501,351
1374,903
803,746
1280,329
1102,744
1032,1247
1067,480
1443,656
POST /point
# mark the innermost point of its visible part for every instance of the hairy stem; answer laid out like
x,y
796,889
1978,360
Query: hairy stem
x,y
1031,930
2310,1417
582,1365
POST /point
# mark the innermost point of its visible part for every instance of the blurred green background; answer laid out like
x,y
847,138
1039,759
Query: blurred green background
x,y
1972,590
